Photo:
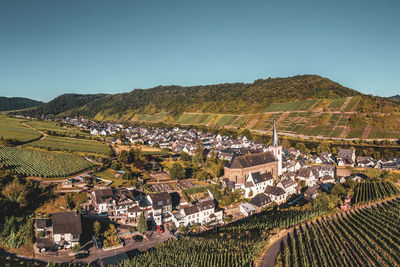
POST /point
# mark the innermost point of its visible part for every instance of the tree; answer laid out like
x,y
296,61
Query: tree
x,y
115,166
96,228
176,172
185,156
324,147
16,192
124,157
247,133
142,224
302,147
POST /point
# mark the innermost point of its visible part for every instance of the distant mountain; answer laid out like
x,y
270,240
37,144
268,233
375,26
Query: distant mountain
x,y
60,104
395,97
15,103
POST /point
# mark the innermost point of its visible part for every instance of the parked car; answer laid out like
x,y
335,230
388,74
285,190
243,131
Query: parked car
x,y
138,238
160,229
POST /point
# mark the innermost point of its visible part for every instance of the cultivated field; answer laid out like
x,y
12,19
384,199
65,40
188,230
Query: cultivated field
x,y
14,129
369,191
366,237
72,145
291,106
53,127
42,164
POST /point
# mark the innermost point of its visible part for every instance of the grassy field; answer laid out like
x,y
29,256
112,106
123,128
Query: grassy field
x,y
14,129
72,145
52,126
109,174
42,164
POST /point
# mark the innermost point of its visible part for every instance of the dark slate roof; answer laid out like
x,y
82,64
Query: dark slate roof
x,y
345,153
45,243
260,200
311,191
102,195
274,190
42,223
205,205
258,178
327,178
251,160
192,209
287,182
161,199
305,172
66,222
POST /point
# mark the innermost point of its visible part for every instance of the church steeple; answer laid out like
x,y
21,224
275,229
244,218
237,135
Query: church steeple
x,y
274,137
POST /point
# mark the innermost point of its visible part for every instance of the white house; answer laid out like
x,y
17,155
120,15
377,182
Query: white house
x,y
256,183
276,194
161,205
203,212
67,228
289,186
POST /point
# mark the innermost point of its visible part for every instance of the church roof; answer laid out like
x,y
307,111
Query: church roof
x,y
251,160
274,137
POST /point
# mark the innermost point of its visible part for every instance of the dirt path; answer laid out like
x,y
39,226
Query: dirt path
x,y
42,133
345,132
282,118
367,131
346,103
253,122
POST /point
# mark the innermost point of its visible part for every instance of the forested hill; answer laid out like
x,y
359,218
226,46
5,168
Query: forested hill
x,y
227,98
221,98
395,97
14,103
60,104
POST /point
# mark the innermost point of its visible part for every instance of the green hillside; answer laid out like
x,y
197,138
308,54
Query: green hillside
x,y
305,104
60,104
15,103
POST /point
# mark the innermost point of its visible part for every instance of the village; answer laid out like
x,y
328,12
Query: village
x,y
255,177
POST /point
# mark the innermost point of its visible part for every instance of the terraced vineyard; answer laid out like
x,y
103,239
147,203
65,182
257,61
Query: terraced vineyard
x,y
42,164
72,145
365,237
369,191
14,129
236,244
291,106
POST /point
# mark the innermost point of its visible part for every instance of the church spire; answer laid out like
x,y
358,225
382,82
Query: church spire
x,y
274,137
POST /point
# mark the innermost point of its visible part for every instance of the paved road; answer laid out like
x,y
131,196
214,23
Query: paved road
x,y
96,255
272,253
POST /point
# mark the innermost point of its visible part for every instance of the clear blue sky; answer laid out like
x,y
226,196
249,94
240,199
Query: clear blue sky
x,y
52,47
